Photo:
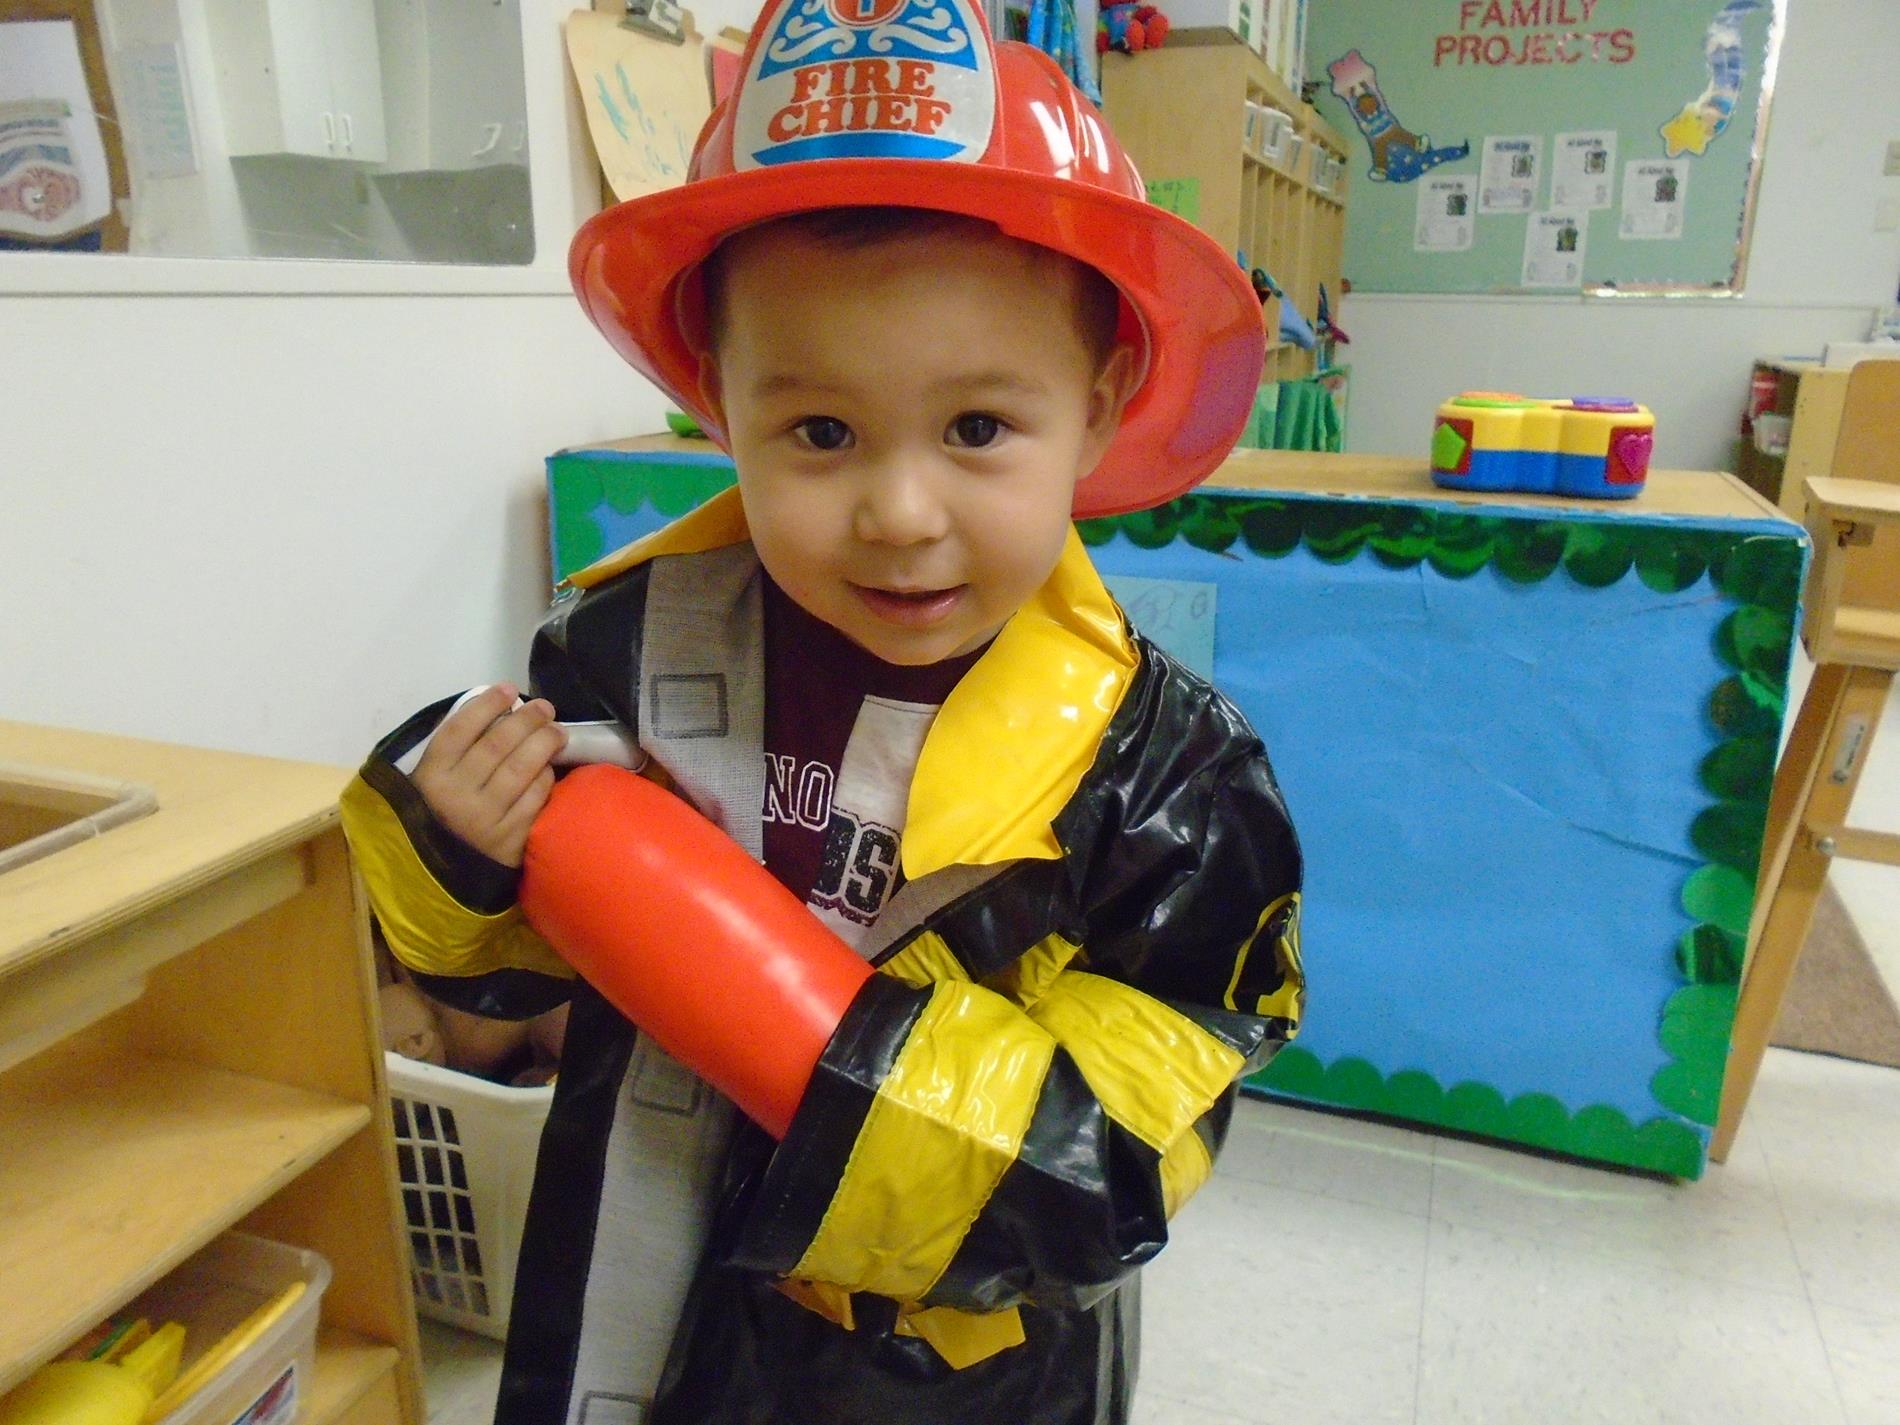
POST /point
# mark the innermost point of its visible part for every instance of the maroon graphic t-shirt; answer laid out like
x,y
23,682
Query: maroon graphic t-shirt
x,y
843,731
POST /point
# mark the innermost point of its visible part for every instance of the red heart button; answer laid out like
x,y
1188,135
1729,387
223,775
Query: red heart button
x,y
1629,457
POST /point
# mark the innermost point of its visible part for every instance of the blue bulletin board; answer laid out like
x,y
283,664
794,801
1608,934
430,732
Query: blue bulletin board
x,y
1529,755
1548,145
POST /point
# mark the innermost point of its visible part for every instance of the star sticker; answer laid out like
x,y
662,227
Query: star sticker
x,y
1688,132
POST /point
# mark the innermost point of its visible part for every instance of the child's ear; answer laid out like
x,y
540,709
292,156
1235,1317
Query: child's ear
x,y
709,390
1114,386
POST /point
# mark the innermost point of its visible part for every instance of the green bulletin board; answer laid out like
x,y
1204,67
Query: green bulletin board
x,y
1544,145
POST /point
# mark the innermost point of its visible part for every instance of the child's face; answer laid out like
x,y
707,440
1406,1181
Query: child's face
x,y
909,420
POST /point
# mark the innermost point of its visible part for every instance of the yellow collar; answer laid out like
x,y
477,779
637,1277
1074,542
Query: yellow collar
x,y
1015,737
715,524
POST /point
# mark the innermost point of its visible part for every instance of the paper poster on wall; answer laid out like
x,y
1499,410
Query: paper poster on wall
x,y
1553,249
1507,181
1583,170
158,110
1445,219
1703,118
646,100
53,175
1655,197
1586,85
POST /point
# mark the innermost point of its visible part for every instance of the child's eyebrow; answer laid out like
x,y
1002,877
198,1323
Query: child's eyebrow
x,y
1009,383
781,383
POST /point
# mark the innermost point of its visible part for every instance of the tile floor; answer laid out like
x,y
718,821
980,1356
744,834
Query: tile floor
x,y
1338,1270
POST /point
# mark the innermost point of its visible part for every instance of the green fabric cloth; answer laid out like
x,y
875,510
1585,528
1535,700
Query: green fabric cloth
x,y
1262,423
1293,415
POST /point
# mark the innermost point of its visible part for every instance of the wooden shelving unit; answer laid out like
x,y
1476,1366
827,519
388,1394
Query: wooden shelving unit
x,y
1810,395
1181,113
188,1044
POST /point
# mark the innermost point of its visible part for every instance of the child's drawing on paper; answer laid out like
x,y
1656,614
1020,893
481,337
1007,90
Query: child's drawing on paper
x,y
1703,118
1398,154
55,180
646,100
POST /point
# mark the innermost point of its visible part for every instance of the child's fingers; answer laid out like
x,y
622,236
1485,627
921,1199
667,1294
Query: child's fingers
x,y
530,757
513,827
464,727
504,735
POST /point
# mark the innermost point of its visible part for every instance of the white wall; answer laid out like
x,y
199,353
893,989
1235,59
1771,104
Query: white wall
x,y
1817,270
280,520
282,523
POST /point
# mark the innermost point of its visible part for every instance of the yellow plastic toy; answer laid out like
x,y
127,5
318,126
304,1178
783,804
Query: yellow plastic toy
x,y
101,1391
1597,447
232,1345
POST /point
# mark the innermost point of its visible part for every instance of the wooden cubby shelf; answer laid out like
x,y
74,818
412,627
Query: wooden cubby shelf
x,y
188,1044
1181,111
352,1372
120,1167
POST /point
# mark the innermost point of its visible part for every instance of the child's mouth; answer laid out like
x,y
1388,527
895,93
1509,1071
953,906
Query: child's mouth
x,y
912,608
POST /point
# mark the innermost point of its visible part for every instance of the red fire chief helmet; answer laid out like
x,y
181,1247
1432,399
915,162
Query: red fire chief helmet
x,y
906,103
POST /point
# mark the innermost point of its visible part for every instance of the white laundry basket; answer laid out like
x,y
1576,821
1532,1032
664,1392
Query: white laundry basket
x,y
465,1151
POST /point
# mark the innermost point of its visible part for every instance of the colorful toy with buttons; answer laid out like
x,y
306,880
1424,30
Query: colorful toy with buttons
x,y
1596,447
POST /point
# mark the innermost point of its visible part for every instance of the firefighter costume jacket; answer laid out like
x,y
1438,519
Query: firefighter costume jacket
x,y
1097,935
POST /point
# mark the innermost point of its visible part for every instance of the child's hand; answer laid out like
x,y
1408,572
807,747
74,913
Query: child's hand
x,y
487,774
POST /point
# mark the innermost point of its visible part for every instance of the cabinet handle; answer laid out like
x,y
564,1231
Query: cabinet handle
x,y
329,131
521,135
349,134
491,136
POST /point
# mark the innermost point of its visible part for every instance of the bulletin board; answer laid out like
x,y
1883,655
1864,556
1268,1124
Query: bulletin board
x,y
1548,145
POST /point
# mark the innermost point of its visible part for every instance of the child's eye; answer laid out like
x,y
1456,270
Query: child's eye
x,y
974,429
824,432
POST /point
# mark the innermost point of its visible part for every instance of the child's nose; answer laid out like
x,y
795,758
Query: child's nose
x,y
900,505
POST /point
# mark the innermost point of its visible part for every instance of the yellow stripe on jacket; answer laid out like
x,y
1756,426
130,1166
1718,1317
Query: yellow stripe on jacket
x,y
1154,1070
950,1118
426,927
944,1127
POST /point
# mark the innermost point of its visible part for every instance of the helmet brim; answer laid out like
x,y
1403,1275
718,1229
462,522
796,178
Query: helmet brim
x,y
1201,319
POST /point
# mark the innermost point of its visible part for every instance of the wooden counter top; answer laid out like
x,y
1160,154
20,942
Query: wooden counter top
x,y
1678,494
1669,494
216,811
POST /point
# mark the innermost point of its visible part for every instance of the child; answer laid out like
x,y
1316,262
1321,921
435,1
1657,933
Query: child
x,y
913,287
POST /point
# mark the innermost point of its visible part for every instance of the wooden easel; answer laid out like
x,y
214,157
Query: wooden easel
x,y
1852,632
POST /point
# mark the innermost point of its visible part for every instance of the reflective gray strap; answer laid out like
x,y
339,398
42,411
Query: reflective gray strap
x,y
658,1192
702,684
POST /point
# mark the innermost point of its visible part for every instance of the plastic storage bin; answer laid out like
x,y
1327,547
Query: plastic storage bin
x,y
212,1293
465,1152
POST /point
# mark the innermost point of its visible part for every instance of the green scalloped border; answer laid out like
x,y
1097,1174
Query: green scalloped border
x,y
581,481
1760,574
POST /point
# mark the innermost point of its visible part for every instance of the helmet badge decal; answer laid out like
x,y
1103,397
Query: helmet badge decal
x,y
867,79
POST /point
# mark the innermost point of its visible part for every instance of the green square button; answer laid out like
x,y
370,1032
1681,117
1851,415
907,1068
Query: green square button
x,y
1448,447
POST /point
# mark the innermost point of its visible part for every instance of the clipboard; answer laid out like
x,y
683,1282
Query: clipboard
x,y
644,90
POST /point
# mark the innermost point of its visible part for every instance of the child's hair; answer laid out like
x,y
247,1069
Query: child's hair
x,y
1098,303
